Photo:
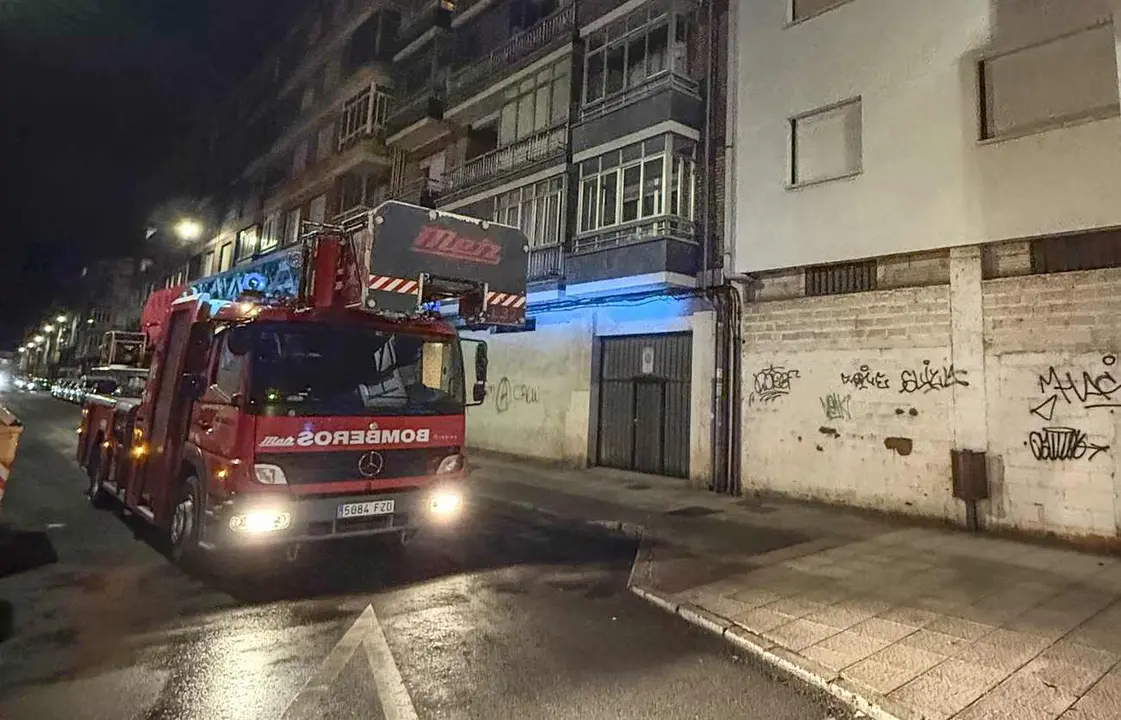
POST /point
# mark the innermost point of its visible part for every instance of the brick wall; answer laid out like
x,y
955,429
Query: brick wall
x,y
859,399
849,399
1052,343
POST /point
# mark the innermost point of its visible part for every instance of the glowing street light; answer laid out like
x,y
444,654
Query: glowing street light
x,y
61,318
39,339
48,328
188,229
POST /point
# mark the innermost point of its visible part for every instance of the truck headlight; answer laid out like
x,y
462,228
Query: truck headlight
x,y
269,475
445,503
450,464
261,521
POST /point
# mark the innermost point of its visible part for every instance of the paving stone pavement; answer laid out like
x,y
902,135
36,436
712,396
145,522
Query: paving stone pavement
x,y
912,622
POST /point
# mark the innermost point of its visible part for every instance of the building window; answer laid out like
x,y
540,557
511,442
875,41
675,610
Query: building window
x,y
317,211
805,9
208,264
534,104
270,234
1084,251
323,144
536,209
299,158
226,257
247,242
841,278
307,98
292,226
826,144
1064,80
363,115
640,181
634,50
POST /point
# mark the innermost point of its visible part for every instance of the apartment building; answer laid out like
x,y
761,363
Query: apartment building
x,y
926,197
586,123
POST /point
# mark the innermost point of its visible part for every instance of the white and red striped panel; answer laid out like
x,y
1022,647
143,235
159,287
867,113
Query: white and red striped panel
x,y
394,285
384,283
505,299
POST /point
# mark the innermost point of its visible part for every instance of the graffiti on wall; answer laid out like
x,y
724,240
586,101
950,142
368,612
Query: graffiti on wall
x,y
866,379
836,407
931,377
1063,443
771,383
507,394
1083,388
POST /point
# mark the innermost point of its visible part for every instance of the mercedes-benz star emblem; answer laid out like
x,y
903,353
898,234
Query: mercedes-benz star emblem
x,y
370,464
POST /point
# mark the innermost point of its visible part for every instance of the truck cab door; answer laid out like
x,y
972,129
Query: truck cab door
x,y
183,351
215,417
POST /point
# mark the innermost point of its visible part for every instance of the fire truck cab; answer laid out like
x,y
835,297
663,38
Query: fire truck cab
x,y
315,394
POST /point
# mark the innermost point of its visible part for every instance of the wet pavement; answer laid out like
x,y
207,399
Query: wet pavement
x,y
519,615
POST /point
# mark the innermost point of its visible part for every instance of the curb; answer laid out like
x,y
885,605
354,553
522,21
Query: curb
x,y
862,702
621,527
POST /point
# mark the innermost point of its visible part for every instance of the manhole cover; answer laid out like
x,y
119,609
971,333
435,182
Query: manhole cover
x,y
692,511
638,486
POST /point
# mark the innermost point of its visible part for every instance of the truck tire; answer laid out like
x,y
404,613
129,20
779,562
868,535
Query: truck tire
x,y
183,529
99,499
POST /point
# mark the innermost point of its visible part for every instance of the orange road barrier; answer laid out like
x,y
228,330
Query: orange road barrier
x,y
10,430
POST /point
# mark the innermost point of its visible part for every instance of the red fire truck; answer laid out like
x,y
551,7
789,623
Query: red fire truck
x,y
314,394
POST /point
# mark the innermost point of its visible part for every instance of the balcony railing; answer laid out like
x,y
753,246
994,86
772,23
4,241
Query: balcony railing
x,y
419,191
526,151
546,262
681,83
426,102
500,61
635,232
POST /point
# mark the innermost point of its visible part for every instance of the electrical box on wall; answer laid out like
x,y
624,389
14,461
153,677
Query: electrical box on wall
x,y
970,473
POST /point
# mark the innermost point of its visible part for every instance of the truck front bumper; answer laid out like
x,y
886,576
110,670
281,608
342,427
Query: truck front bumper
x,y
282,520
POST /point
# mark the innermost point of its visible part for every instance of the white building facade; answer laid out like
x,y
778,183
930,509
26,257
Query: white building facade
x,y
926,194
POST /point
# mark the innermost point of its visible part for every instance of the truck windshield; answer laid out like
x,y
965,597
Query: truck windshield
x,y
313,369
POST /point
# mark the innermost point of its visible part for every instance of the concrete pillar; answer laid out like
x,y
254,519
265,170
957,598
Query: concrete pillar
x,y
967,343
700,425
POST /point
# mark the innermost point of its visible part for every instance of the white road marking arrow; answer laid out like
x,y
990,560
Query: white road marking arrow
x,y
366,632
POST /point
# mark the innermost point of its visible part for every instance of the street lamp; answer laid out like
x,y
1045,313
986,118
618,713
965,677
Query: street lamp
x,y
61,318
48,328
188,229
39,339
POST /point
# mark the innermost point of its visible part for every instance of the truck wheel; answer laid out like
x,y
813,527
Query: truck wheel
x,y
183,530
98,497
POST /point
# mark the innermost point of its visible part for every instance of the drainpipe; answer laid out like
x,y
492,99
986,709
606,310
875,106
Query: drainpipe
x,y
724,299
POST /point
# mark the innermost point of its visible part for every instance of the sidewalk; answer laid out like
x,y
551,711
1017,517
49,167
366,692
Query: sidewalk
x,y
898,621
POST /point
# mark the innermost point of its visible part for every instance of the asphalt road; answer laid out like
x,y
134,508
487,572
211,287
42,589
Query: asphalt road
x,y
522,616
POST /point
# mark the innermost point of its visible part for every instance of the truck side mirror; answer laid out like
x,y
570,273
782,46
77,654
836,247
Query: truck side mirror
x,y
240,342
193,385
481,362
479,392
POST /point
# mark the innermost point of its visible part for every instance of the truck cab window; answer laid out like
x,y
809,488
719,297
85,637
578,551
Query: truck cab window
x,y
229,371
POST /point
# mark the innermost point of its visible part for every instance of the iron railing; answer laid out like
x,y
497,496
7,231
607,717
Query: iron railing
x,y
546,262
426,102
635,232
500,62
418,191
528,150
681,83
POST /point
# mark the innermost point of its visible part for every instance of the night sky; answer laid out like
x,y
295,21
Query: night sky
x,y
94,94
